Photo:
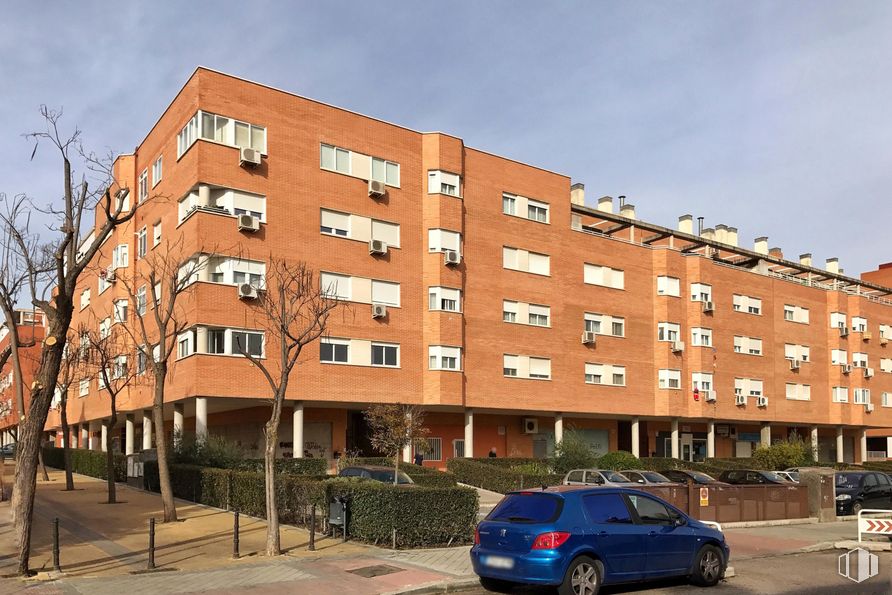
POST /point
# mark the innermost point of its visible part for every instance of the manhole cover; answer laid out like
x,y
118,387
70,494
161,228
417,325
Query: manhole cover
x,y
377,570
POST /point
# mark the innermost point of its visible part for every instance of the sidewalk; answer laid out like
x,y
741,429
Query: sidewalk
x,y
759,542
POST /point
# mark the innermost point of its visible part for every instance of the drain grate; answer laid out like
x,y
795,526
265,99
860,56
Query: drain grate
x,y
377,570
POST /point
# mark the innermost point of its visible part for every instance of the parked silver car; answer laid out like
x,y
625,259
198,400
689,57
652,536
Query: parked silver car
x,y
594,477
791,476
645,477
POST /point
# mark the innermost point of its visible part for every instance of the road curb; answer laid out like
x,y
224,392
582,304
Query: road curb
x,y
871,546
775,523
447,586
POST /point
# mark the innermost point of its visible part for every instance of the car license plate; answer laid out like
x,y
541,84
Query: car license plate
x,y
499,562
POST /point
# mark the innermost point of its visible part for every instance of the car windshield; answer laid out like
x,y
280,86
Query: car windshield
x,y
772,476
615,477
848,480
527,507
654,477
387,476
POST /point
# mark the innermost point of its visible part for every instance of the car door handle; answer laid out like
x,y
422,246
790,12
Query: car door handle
x,y
603,534
653,533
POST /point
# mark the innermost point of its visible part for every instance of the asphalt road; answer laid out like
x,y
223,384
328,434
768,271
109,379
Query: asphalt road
x,y
796,574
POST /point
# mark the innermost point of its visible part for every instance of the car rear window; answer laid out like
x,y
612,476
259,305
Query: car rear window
x,y
848,480
654,477
606,508
527,507
615,477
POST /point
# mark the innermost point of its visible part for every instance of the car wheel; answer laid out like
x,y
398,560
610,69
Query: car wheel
x,y
856,507
583,578
708,566
495,585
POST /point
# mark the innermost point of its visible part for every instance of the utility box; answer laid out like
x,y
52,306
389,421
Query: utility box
x,y
135,467
821,483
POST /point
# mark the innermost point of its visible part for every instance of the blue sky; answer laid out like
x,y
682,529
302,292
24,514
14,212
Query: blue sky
x,y
774,117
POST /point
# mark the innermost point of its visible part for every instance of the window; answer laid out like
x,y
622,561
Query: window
x,y
441,182
669,379
434,450
886,365
795,314
105,328
85,298
650,511
143,186
248,342
232,132
837,320
342,160
140,361
335,159
185,344
141,243
386,292
509,311
458,448
885,331
386,171
861,396
217,341
334,223
441,357
509,204
668,331
537,211
800,353
859,324
539,315
156,171
701,337
605,374
509,365
522,260
187,136
336,286
606,509
603,324
859,360
798,392
747,304
121,311
839,356
84,388
755,387
540,368
701,381
668,286
445,299
887,399
386,355
387,232
141,300
440,240
120,256
334,351
700,292
840,394
747,345
156,234
602,275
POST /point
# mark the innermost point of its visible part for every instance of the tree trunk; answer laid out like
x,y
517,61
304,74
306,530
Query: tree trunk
x,y
110,457
66,448
273,543
167,501
46,476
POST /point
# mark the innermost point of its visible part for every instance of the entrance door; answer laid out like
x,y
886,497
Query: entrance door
x,y
687,447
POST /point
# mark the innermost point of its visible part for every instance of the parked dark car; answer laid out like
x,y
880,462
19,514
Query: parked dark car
x,y
645,477
683,475
8,450
856,490
376,473
752,477
578,538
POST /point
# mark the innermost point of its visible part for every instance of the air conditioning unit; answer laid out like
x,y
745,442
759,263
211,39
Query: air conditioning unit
x,y
709,396
740,400
108,274
794,364
377,188
867,336
246,291
379,310
868,407
868,372
762,401
846,368
677,346
248,223
451,257
377,247
248,156
530,425
708,306
588,338
843,330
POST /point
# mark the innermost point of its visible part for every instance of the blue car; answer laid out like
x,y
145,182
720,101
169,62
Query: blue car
x,y
579,538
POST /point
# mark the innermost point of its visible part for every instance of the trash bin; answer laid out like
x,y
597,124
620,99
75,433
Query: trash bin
x,y
135,467
337,515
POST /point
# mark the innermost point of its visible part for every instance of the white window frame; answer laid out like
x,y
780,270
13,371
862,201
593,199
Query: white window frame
x,y
439,295
157,170
603,276
335,341
668,332
861,396
442,353
156,234
384,345
666,377
701,337
859,324
839,394
441,182
142,186
668,286
142,242
701,292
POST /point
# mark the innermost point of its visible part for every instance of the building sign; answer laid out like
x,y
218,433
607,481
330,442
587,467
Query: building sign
x,y
704,496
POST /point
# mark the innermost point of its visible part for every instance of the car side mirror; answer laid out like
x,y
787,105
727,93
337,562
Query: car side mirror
x,y
679,521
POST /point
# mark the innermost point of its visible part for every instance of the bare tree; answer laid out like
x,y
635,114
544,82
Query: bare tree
x,y
65,257
71,364
109,349
392,428
158,283
293,311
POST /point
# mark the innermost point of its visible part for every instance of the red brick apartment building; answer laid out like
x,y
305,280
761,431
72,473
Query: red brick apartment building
x,y
481,288
32,330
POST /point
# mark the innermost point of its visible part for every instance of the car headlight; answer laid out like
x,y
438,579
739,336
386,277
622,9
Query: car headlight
x,y
843,497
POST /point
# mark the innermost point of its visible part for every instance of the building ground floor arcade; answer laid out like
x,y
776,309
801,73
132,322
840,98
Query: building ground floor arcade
x,y
327,430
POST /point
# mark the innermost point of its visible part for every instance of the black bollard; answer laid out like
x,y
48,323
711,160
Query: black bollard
x,y
235,553
56,566
151,543
311,546
344,532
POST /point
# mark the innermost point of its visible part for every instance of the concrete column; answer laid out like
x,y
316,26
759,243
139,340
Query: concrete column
x,y
469,433
85,436
103,439
863,445
840,446
177,422
73,431
407,450
676,447
814,441
889,447
558,428
636,437
128,434
710,439
297,430
766,434
147,429
201,418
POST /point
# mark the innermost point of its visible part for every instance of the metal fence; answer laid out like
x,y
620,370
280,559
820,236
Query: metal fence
x,y
736,503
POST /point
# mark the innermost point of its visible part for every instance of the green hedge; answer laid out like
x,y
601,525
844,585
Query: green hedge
x,y
305,466
496,477
92,463
425,476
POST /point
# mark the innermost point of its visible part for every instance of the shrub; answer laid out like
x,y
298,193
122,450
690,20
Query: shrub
x,y
573,452
499,478
793,452
92,463
424,476
305,466
212,451
619,460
